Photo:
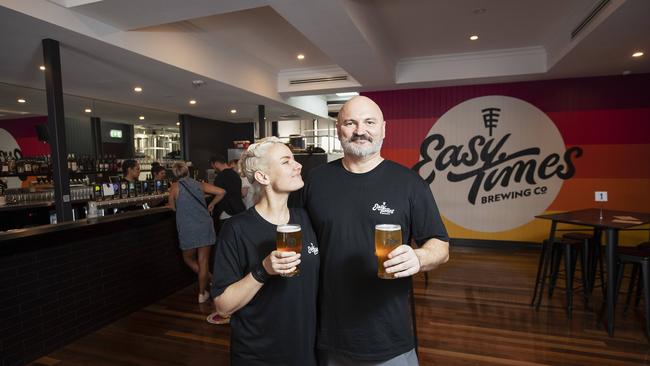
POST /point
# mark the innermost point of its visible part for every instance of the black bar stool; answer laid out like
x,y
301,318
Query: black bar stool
x,y
639,257
558,248
592,257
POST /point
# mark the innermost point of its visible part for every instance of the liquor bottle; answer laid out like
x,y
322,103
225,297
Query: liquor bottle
x,y
75,167
27,164
4,165
11,160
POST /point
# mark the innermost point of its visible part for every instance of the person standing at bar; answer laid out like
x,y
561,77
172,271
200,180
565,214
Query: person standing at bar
x,y
230,181
158,172
195,230
364,319
273,318
131,170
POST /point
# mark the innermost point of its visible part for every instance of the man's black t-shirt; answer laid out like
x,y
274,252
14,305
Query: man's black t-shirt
x,y
232,202
278,326
360,315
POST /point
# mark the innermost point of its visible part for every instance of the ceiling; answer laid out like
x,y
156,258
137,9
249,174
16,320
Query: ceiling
x,y
245,51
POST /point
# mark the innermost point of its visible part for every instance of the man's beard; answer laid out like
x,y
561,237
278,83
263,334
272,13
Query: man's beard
x,y
361,151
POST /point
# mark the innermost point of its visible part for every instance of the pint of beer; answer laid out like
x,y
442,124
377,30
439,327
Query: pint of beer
x,y
387,238
289,239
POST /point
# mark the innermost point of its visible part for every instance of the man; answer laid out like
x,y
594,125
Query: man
x,y
229,180
364,319
158,172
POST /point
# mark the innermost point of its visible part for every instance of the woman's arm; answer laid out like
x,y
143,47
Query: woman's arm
x,y
218,193
240,293
173,193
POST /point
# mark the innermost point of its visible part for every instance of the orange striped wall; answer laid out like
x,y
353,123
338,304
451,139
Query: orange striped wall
x,y
607,117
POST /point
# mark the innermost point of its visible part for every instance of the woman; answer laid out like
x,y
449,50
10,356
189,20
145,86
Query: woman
x,y
131,170
195,230
273,318
246,186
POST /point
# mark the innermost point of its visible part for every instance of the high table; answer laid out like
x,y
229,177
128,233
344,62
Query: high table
x,y
600,220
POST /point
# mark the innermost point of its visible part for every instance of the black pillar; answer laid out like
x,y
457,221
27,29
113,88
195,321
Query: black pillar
x,y
56,129
96,133
261,122
274,129
185,136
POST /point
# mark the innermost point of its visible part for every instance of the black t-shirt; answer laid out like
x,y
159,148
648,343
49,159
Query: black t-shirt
x,y
360,315
278,326
232,202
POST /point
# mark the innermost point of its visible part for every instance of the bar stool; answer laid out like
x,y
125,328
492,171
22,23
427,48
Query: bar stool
x,y
638,256
635,281
573,251
592,257
554,251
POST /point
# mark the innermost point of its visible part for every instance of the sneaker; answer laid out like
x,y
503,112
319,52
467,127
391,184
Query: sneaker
x,y
215,318
205,296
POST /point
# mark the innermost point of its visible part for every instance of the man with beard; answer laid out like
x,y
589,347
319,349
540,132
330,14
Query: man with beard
x,y
364,319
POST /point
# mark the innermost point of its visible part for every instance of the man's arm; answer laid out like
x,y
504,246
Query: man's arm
x,y
405,261
432,254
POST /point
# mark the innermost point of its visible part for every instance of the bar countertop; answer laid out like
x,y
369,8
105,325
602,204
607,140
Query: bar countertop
x,y
79,224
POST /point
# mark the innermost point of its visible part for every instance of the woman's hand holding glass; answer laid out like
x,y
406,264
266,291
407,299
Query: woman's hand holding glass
x,y
281,263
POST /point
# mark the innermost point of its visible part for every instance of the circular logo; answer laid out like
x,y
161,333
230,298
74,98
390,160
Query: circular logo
x,y
494,162
8,144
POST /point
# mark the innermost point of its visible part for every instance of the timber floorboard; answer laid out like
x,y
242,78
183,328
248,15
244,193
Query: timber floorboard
x,y
474,311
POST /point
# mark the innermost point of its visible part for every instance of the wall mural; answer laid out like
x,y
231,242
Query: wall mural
x,y
495,162
496,155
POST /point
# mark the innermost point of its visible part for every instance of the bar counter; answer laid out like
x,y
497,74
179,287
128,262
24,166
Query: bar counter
x,y
60,282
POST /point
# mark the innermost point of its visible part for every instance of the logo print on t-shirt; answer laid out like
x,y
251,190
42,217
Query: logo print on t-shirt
x,y
312,249
383,209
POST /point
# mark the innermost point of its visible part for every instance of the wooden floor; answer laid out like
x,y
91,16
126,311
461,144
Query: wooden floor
x,y
475,311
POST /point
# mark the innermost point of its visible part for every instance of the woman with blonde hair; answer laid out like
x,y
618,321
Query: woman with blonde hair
x,y
273,315
195,229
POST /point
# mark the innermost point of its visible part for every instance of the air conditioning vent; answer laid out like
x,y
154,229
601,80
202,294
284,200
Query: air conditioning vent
x,y
318,80
601,5
289,116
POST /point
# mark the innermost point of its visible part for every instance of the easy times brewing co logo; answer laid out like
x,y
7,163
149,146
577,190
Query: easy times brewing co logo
x,y
495,162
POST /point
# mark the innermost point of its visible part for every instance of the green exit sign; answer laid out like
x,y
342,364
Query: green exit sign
x,y
116,134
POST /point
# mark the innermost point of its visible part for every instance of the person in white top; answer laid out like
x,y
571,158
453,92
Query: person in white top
x,y
247,191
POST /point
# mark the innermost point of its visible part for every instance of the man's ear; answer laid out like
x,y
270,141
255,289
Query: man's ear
x,y
261,178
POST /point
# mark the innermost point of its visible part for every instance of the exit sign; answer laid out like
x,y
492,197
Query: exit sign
x,y
116,134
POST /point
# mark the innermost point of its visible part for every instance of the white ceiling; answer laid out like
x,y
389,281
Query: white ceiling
x,y
245,50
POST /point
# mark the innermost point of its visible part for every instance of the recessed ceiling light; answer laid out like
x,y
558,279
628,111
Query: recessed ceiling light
x,y
21,100
141,118
42,68
473,37
637,54
88,110
233,111
300,56
627,72
137,89
178,123
347,94
192,101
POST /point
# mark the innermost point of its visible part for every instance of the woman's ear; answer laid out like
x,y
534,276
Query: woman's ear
x,y
262,178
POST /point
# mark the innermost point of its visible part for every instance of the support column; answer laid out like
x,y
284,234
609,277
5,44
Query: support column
x,y
185,137
56,129
261,121
96,133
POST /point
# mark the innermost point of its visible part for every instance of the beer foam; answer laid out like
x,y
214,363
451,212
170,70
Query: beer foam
x,y
388,227
288,228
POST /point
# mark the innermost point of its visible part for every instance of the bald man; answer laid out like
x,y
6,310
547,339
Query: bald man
x,y
364,319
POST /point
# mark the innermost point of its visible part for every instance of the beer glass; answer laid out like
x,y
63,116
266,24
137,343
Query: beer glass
x,y
387,238
289,239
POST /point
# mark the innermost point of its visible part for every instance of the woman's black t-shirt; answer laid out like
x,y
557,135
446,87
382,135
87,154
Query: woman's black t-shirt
x,y
278,326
